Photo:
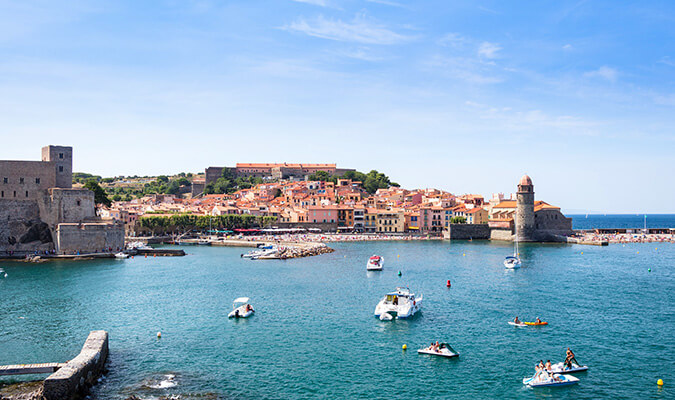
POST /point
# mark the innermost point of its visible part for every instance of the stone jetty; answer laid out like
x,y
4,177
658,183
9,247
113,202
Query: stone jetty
x,y
303,251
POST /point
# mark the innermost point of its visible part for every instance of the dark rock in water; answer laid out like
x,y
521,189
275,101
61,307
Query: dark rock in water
x,y
37,230
21,391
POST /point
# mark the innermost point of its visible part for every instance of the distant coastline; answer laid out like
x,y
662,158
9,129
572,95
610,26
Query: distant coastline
x,y
621,221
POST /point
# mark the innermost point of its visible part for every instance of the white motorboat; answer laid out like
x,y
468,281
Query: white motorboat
x,y
254,255
559,368
375,263
138,246
241,308
121,255
545,379
443,350
400,304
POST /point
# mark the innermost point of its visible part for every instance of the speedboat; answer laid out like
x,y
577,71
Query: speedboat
x,y
241,308
121,255
443,350
375,263
512,262
545,379
559,368
400,304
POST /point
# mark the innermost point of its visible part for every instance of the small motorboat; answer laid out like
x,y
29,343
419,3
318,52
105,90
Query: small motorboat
x,y
401,303
559,368
522,324
545,379
375,263
386,317
241,308
443,350
121,255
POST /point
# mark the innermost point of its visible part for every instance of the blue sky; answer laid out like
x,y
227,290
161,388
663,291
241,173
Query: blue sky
x,y
461,95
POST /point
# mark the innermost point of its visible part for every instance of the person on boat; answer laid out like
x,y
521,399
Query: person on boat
x,y
248,307
538,320
541,365
437,347
570,358
395,302
548,365
516,321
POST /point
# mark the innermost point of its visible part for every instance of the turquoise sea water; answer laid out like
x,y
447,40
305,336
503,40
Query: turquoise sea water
x,y
314,334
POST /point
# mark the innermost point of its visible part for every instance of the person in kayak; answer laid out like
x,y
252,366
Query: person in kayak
x,y
538,320
516,320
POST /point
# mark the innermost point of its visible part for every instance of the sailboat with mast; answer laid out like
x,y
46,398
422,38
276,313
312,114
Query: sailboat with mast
x,y
513,262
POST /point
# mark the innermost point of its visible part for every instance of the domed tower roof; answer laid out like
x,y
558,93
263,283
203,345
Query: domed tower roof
x,y
525,181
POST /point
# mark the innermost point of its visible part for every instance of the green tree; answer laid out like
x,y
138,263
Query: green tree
x,y
458,220
100,196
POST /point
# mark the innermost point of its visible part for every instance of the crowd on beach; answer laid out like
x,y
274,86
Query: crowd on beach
x,y
333,237
630,238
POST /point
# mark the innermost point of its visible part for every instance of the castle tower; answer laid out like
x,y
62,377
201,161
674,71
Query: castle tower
x,y
525,227
62,157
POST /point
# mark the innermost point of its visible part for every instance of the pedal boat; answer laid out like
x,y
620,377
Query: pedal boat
x,y
241,308
559,368
545,379
375,263
444,350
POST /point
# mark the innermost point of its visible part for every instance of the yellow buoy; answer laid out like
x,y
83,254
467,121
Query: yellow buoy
x,y
659,382
159,335
398,255
582,253
405,347
638,252
463,254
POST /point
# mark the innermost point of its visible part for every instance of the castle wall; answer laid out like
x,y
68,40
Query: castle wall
x,y
25,180
21,229
552,222
501,234
84,238
67,205
62,159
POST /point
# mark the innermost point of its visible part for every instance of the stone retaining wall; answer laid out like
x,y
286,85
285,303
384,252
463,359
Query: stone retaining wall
x,y
81,372
467,231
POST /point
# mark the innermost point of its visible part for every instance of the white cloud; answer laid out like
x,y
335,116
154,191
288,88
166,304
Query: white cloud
x,y
488,50
321,3
386,3
361,53
465,69
452,39
603,72
567,47
359,30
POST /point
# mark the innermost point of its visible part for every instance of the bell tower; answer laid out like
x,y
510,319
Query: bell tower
x,y
525,228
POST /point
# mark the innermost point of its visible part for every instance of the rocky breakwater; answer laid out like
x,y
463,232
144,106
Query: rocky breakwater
x,y
305,250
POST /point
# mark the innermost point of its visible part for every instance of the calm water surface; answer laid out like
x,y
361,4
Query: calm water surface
x,y
314,334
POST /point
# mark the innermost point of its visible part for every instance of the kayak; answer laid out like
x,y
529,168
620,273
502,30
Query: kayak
x,y
514,324
536,323
549,380
559,368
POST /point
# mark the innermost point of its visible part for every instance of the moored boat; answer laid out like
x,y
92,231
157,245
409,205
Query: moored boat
x,y
121,255
375,263
400,303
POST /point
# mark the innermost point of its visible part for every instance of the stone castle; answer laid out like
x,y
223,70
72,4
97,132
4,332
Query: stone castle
x,y
41,211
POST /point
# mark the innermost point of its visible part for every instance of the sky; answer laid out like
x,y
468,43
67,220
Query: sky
x,y
464,96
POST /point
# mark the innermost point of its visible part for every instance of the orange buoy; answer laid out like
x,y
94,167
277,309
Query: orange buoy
x,y
448,284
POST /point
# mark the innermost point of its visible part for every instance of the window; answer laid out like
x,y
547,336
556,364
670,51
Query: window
x,y
21,180
61,155
2,193
60,168
26,193
78,202
37,180
15,193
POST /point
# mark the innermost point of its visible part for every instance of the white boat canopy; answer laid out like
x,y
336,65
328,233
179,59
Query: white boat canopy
x,y
241,300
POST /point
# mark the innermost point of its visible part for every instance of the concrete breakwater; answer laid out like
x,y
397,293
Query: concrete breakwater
x,y
73,379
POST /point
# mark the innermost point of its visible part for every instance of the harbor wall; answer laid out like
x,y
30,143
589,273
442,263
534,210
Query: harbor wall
x,y
89,237
74,379
467,231
501,234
